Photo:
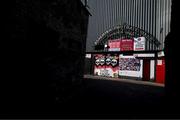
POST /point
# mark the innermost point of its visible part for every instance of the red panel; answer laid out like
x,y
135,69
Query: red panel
x,y
127,44
160,72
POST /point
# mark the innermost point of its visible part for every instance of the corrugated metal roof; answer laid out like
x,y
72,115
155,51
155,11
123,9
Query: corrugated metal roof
x,y
152,16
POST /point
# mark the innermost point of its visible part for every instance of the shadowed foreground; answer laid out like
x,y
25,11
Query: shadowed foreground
x,y
110,99
105,98
113,97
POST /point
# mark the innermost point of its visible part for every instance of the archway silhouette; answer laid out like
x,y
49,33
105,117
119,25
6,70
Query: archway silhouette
x,y
128,31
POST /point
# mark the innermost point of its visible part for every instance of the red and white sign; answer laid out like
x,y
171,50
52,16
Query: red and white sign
x,y
127,45
136,44
139,44
106,65
114,45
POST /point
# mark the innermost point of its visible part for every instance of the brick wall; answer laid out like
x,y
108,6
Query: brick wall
x,y
47,50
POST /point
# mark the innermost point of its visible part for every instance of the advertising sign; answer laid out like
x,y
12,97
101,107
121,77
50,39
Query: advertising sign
x,y
106,65
127,45
144,55
99,61
114,45
130,66
112,65
139,44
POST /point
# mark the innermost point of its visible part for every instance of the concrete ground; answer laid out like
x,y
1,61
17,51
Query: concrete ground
x,y
124,80
110,97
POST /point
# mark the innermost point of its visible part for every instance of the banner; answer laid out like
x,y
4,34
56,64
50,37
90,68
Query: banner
x,y
99,64
127,45
114,45
136,44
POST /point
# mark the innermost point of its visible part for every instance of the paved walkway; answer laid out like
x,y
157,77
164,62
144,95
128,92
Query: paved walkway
x,y
124,80
103,97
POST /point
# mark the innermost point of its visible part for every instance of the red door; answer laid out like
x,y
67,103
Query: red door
x,y
160,71
146,70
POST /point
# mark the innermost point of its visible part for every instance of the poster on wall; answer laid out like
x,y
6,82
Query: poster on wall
x,y
129,64
127,45
112,65
99,61
106,65
139,44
